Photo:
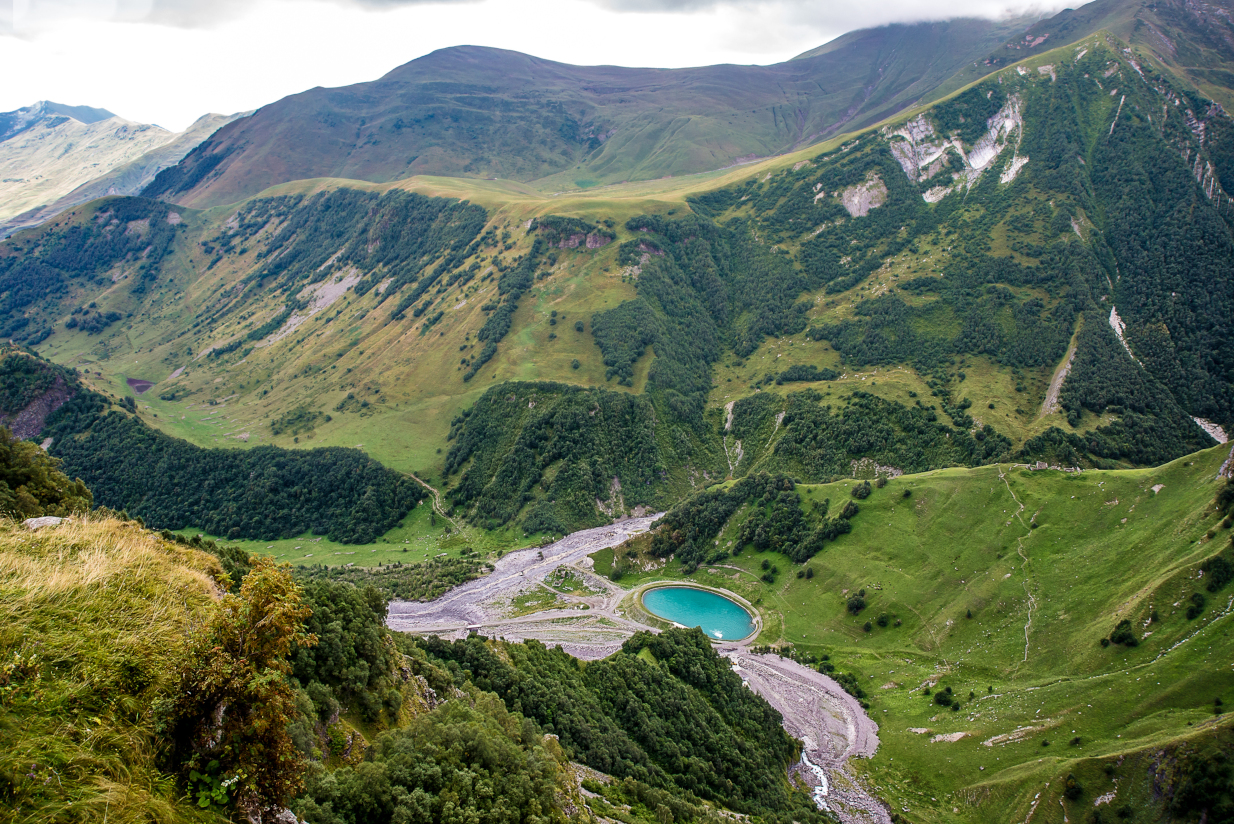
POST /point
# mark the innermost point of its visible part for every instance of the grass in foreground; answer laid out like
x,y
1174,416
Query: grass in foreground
x,y
93,617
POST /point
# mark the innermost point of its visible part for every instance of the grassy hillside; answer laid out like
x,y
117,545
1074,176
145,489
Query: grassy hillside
x,y
936,292
487,113
996,587
95,616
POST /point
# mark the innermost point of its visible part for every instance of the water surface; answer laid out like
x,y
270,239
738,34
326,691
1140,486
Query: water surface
x,y
717,616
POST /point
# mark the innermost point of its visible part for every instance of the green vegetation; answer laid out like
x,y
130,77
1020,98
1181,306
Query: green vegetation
x,y
127,236
32,485
568,441
262,493
405,581
103,624
682,722
1008,606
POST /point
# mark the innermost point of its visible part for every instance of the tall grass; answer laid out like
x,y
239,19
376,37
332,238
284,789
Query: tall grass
x,y
93,614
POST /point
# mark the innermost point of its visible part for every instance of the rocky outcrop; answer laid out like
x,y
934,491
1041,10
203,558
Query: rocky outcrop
x,y
30,421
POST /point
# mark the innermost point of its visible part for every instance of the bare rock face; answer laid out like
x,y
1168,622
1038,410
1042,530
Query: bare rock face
x,y
39,523
30,421
860,198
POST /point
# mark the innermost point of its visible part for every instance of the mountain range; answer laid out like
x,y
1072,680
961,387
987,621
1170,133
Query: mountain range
x,y
54,157
968,279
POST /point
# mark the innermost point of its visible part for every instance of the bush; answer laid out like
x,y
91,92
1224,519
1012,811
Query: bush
x,y
1219,571
1124,634
1197,606
862,490
856,604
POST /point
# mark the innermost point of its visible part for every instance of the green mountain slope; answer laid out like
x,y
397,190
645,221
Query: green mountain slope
x,y
1024,639
1031,269
1195,41
488,113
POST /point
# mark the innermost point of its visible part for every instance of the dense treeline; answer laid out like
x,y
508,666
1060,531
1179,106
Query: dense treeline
x,y
32,485
38,270
776,522
822,442
508,440
465,761
24,378
262,493
407,582
683,723
1104,378
571,232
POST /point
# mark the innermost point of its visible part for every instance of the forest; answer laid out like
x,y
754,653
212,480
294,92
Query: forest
x,y
263,493
683,723
38,270
776,522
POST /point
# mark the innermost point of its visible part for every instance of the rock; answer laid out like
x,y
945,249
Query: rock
x,y
39,523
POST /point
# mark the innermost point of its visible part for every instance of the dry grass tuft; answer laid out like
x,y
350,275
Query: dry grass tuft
x,y
93,616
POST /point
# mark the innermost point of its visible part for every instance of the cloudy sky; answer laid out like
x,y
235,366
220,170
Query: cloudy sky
x,y
169,61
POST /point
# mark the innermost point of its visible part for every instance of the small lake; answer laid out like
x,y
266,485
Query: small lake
x,y
717,616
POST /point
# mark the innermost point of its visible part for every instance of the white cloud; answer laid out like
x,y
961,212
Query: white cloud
x,y
169,61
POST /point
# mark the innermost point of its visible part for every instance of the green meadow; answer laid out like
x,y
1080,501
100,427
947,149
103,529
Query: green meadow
x,y
999,584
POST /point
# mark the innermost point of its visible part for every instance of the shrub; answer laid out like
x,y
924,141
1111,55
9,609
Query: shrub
x,y
1197,606
883,620
867,626
856,604
1072,789
1123,634
1219,571
861,491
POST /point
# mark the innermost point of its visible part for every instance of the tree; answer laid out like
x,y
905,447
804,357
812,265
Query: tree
x,y
31,484
228,721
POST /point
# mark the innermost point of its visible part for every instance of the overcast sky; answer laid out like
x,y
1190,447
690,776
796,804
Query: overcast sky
x,y
169,61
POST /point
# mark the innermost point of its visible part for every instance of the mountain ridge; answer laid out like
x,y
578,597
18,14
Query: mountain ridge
x,y
605,121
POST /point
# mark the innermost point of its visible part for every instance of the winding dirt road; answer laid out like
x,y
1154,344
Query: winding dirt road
x,y
830,723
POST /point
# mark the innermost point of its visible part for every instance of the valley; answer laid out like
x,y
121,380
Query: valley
x,y
918,348
1041,576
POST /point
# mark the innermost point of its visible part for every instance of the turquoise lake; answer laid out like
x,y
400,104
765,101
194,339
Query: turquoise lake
x,y
717,616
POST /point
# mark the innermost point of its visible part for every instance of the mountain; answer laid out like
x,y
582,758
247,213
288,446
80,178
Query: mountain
x,y
485,113
1193,40
125,179
53,157
973,283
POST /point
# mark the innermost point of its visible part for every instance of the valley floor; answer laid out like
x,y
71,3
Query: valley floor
x,y
518,602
